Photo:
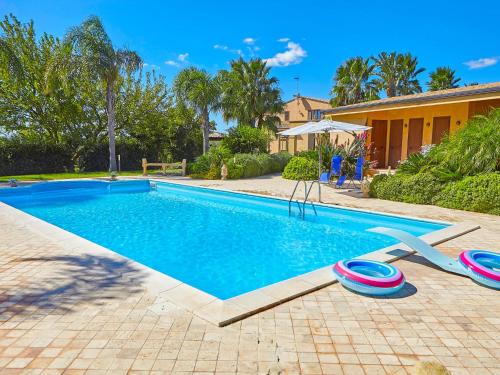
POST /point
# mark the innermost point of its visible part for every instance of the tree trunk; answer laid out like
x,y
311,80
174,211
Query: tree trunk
x,y
206,132
110,108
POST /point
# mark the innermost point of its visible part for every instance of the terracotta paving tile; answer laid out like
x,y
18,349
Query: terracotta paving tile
x,y
116,330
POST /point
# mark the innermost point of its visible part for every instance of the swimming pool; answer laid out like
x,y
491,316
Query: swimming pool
x,y
222,243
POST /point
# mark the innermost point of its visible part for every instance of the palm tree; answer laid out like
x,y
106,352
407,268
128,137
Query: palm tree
x,y
397,73
443,78
94,51
409,71
388,72
249,95
354,82
198,90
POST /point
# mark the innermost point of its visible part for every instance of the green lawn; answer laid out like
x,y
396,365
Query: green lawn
x,y
64,176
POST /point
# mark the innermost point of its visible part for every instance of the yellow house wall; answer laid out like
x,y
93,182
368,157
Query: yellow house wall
x,y
298,109
456,111
483,107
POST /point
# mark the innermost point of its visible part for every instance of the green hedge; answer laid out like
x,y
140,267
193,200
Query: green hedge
x,y
282,158
301,168
32,158
238,165
21,157
479,193
250,164
420,188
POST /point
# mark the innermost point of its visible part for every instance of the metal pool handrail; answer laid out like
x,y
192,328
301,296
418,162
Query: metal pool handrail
x,y
302,210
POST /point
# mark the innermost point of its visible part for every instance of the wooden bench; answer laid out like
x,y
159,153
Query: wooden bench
x,y
182,165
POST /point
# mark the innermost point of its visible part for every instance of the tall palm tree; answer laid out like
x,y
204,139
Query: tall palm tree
x,y
409,71
94,51
354,82
443,78
388,72
397,73
249,95
198,90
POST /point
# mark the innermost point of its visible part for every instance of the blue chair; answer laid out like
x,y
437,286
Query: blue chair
x,y
358,171
340,181
335,166
356,176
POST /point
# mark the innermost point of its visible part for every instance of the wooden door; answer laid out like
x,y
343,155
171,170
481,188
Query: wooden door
x,y
395,142
379,140
415,134
440,126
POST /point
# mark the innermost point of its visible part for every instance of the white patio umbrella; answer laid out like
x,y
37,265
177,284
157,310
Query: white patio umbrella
x,y
323,126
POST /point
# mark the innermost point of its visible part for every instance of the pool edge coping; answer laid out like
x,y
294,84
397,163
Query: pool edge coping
x,y
225,312
328,205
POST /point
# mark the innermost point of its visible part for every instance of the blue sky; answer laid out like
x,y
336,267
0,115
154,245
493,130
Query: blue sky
x,y
306,39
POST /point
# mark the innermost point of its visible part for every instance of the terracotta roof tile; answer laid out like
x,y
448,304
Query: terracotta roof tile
x,y
310,98
422,97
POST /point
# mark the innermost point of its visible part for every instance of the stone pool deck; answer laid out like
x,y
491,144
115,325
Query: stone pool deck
x,y
65,310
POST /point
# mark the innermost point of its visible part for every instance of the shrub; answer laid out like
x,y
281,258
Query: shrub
x,y
209,165
472,150
245,139
238,166
309,154
235,171
96,157
413,164
18,157
267,164
250,164
282,158
301,168
479,193
200,167
421,188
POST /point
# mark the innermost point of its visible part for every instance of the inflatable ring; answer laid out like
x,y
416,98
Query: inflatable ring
x,y
369,276
482,266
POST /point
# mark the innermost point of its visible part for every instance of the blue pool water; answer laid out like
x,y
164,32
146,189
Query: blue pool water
x,y
222,243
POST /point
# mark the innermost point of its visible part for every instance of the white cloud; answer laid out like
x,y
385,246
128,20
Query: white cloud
x,y
181,59
249,41
172,63
226,48
482,62
220,46
283,40
293,55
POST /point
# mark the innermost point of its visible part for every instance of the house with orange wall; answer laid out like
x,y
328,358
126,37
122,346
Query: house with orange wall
x,y
299,110
402,125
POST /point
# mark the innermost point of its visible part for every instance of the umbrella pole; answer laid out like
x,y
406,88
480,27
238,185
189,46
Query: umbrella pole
x,y
319,167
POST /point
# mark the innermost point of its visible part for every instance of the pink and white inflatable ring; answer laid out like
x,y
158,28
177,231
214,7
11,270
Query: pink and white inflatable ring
x,y
369,276
482,266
